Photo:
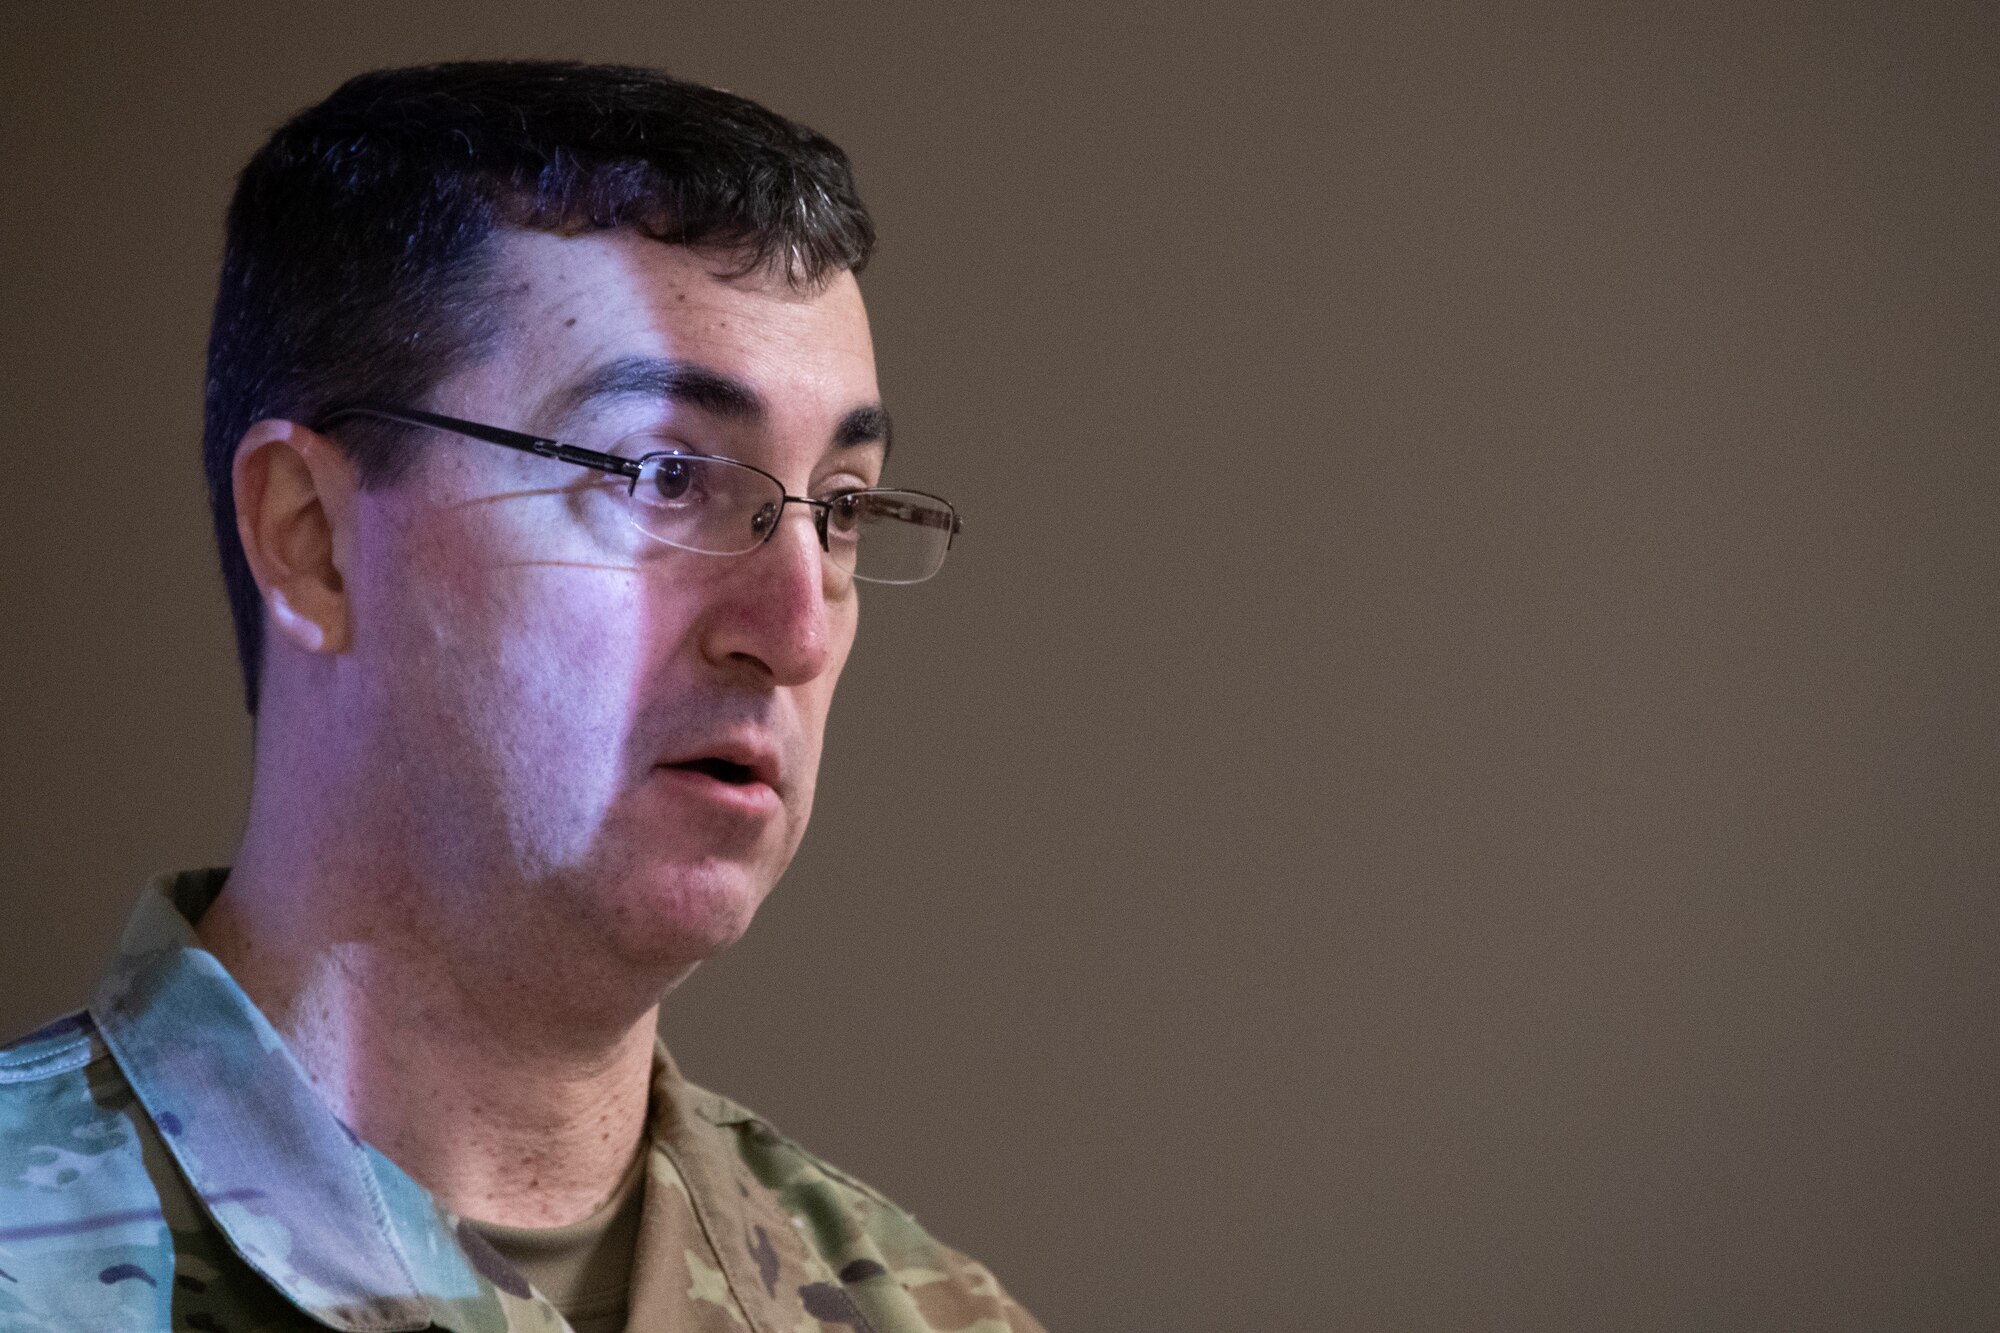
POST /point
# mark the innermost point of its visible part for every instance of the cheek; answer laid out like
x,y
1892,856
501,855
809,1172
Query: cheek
x,y
544,649
517,667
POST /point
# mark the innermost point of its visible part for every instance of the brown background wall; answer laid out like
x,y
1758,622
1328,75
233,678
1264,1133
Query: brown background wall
x,y
1452,784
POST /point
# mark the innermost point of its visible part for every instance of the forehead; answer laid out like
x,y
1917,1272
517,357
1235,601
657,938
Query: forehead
x,y
572,305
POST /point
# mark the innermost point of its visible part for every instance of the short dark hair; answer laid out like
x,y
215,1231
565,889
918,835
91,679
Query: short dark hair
x,y
357,263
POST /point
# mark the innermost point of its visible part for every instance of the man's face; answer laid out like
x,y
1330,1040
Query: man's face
x,y
546,691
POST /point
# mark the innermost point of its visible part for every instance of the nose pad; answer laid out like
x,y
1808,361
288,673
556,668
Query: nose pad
x,y
765,521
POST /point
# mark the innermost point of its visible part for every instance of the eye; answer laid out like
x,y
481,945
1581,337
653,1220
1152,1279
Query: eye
x,y
677,481
844,513
673,477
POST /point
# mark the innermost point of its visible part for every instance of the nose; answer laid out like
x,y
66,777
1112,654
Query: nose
x,y
775,607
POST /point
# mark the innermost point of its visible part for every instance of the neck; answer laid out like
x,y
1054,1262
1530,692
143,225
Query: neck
x,y
515,1092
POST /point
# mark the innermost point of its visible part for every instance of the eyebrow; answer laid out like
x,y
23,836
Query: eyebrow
x,y
688,384
864,425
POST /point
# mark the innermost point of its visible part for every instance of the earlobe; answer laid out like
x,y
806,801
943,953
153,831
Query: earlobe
x,y
291,487
300,628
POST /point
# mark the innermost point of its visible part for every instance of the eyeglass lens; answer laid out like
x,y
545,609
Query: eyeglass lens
x,y
721,507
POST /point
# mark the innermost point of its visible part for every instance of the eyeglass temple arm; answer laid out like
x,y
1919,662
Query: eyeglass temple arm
x,y
511,439
947,518
922,515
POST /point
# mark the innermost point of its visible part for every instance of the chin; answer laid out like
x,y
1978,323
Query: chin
x,y
683,916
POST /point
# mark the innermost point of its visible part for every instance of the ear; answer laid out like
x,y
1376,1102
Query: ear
x,y
293,490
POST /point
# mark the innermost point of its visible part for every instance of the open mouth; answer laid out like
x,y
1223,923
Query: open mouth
x,y
722,770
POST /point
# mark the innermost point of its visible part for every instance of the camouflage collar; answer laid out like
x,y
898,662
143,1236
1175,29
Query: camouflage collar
x,y
343,1233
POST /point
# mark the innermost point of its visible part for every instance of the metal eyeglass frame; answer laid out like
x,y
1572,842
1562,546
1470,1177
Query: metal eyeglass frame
x,y
631,469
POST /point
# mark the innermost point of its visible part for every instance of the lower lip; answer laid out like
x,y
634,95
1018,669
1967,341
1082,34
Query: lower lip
x,y
749,798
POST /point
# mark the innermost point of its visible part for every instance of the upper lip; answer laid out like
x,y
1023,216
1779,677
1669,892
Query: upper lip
x,y
756,755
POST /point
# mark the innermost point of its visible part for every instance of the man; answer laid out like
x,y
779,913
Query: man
x,y
545,450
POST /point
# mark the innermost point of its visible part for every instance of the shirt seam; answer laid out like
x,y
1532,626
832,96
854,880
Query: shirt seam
x,y
63,1059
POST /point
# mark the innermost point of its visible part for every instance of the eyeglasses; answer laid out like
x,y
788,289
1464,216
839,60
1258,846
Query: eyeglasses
x,y
718,506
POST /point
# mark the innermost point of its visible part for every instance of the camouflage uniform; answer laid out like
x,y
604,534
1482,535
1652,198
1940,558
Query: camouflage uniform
x,y
164,1164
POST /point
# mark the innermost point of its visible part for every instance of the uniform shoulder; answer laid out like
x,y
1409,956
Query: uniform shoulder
x,y
784,1164
89,1225
885,1259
